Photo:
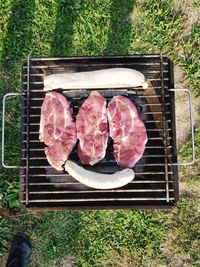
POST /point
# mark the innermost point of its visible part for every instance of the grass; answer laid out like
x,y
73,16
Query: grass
x,y
163,27
92,236
191,174
100,27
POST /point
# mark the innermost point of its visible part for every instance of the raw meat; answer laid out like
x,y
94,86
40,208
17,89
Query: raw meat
x,y
92,129
127,131
57,129
105,78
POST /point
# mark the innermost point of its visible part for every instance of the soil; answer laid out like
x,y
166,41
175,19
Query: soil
x,y
182,109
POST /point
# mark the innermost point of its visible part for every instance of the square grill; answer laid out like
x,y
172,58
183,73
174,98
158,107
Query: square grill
x,y
156,179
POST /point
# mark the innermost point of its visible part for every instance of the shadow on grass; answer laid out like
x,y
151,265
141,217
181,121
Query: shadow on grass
x,y
65,17
16,46
119,36
17,42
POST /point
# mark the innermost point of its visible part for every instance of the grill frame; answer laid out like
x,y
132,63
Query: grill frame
x,y
25,191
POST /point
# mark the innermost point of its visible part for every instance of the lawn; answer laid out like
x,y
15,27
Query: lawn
x,y
100,27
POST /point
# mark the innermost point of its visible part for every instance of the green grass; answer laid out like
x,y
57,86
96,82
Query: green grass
x,y
164,28
92,236
191,174
100,27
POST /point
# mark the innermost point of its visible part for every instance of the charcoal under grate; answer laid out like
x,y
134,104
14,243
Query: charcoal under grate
x,y
156,179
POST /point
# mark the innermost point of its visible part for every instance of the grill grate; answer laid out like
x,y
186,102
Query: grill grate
x,y
156,179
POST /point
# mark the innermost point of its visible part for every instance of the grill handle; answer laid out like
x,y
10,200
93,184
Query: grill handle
x,y
174,90
3,130
191,125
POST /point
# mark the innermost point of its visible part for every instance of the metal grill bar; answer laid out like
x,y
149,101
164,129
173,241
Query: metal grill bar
x,y
150,138
150,121
138,96
164,126
101,65
97,199
98,191
42,149
144,113
148,130
71,183
128,90
138,164
27,122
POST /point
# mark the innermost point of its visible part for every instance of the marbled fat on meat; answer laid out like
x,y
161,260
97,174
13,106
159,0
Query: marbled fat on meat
x,y
57,129
127,131
92,129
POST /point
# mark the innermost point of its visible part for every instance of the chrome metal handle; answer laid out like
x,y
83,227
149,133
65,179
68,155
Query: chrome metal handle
x,y
3,130
191,125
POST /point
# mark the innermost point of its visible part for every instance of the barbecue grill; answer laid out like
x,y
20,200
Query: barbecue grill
x,y
156,174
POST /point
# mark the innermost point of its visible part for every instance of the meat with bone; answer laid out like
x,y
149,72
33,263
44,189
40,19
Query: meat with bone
x,y
127,131
92,129
57,129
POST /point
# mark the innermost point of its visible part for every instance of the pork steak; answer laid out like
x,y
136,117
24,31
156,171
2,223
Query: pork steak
x,y
92,129
127,131
57,129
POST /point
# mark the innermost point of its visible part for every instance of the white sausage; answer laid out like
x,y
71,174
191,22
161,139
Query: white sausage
x,y
99,180
105,78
